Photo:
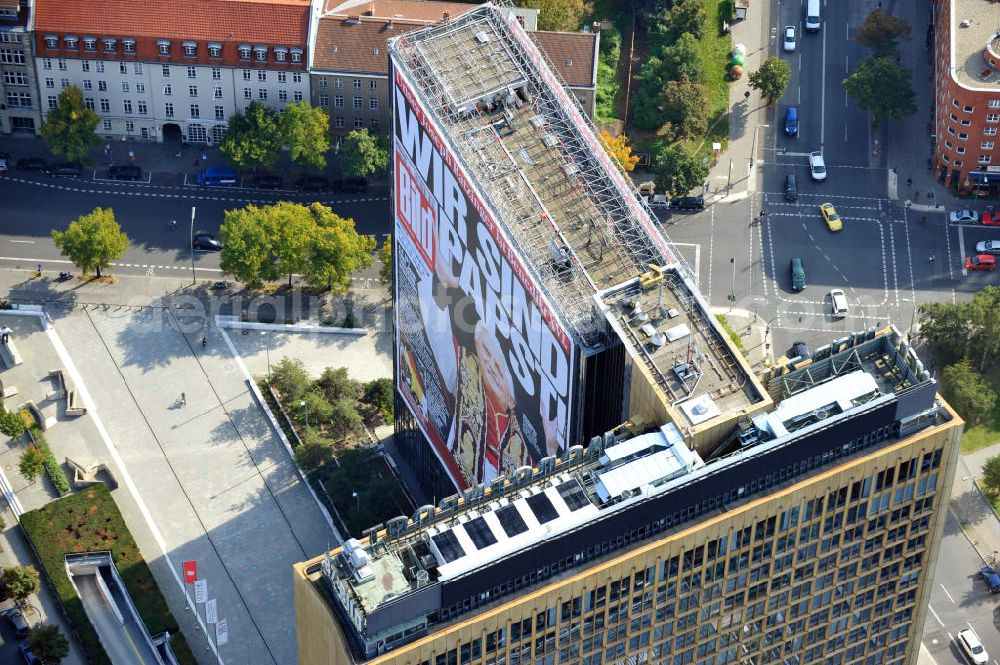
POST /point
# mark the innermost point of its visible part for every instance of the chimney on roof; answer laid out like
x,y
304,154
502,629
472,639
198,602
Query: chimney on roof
x,y
446,15
371,9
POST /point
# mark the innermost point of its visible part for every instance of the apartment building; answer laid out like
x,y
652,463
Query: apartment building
x,y
158,70
966,44
19,107
625,488
349,66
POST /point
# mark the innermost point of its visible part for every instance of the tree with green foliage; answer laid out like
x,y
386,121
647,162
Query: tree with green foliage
x,y
336,250
685,107
49,644
345,421
984,332
19,582
69,128
684,16
385,257
882,87
316,451
991,473
32,463
11,424
379,394
881,31
337,383
608,83
943,328
313,408
771,78
290,379
306,131
246,246
253,137
557,15
969,393
364,153
681,61
291,228
677,172
92,241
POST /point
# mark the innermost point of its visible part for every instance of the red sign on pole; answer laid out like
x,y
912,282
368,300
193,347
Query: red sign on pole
x,y
190,572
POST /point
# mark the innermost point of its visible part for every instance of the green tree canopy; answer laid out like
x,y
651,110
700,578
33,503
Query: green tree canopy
x,y
684,16
954,331
253,138
685,107
345,421
306,132
19,582
317,408
969,393
881,31
246,249
336,383
557,15
385,257
289,377
32,463
681,60
336,251
92,241
882,87
991,473
316,451
676,171
291,228
69,128
771,78
49,644
364,154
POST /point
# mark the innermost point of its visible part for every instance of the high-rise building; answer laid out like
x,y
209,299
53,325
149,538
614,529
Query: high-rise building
x,y
19,108
630,490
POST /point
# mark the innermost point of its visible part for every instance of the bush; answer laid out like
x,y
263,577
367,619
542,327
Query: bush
x,y
12,425
733,335
316,451
56,474
27,418
379,394
32,463
345,420
336,383
289,378
316,410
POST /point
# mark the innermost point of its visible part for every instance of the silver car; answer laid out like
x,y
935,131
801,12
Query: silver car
x,y
988,247
789,43
817,166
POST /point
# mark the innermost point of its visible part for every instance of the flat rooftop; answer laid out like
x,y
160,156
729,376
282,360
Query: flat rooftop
x,y
975,25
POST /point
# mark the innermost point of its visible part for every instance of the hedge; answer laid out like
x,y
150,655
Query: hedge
x,y
89,521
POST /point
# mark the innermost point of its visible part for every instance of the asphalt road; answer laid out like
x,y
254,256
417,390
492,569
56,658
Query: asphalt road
x,y
34,204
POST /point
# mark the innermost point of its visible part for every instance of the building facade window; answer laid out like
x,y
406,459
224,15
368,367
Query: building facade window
x,y
20,100
15,78
220,112
338,102
140,88
99,66
989,131
53,102
247,93
190,49
14,57
89,43
358,103
195,111
70,42
128,45
102,86
63,84
51,41
373,85
46,63
163,46
89,103
963,137
216,73
262,76
192,72
127,105
338,83
357,84
246,74
214,50
61,63
262,94
141,107
137,68
960,150
322,82
967,109
261,53
192,91
105,106
107,125
986,145
296,55
282,77
217,92
124,86
282,95
359,123
122,68
338,123
966,123
993,104
129,126
88,84
297,96
296,77
373,124
324,101
244,50
165,71
373,104
50,83
167,90
168,110
110,43
993,117
85,65
280,54
985,159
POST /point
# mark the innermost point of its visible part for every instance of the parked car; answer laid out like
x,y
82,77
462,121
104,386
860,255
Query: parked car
x,y
800,350
791,121
789,42
15,619
125,172
203,242
267,181
972,646
3,164
990,218
31,164
658,201
981,262
798,274
791,188
988,247
688,203
817,166
354,185
831,217
28,655
71,169
838,303
312,183
991,578
957,216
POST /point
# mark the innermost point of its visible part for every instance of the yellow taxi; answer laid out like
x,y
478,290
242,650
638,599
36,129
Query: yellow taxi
x,y
831,217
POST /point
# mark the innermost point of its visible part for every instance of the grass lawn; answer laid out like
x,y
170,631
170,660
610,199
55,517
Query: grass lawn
x,y
980,436
713,51
89,521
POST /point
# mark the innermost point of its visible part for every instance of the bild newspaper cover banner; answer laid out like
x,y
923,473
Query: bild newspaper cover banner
x,y
483,364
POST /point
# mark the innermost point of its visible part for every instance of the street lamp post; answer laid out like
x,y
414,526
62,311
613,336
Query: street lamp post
x,y
305,412
267,346
357,501
732,290
191,246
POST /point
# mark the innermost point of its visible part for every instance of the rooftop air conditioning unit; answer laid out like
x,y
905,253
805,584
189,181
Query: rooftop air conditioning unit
x,y
966,22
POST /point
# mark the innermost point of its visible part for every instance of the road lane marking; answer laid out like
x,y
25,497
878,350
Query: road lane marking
x,y
936,617
947,594
24,242
822,98
961,252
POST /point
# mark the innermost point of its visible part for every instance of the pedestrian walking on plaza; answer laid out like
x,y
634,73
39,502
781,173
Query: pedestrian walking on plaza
x,y
930,258
204,342
5,334
909,181
746,95
184,399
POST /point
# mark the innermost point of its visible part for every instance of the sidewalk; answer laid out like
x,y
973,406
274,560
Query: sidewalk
x,y
980,523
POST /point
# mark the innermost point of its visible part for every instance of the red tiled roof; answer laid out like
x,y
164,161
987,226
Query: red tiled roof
x,y
571,53
272,22
346,46
416,10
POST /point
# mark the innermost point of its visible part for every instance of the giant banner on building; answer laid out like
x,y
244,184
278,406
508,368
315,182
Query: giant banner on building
x,y
483,363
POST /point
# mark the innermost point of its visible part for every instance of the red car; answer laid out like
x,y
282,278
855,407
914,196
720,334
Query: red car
x,y
981,262
991,218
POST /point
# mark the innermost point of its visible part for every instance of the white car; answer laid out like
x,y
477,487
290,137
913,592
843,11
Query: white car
x,y
838,301
817,166
963,216
789,44
973,648
988,247
3,164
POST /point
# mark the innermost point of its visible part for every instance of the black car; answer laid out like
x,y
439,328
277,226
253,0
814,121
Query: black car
x,y
72,169
125,172
15,619
791,188
688,203
203,242
312,183
800,350
354,185
267,181
32,164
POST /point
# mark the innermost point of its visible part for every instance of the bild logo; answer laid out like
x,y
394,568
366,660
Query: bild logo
x,y
415,210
